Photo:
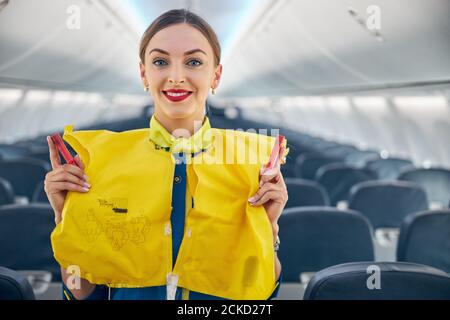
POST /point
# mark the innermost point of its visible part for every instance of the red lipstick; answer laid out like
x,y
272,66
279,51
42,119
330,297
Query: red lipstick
x,y
176,95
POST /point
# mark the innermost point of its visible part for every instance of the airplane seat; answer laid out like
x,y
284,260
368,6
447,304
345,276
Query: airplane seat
x,y
435,181
388,169
320,144
425,239
221,123
39,195
14,286
305,193
41,155
13,152
379,281
338,151
386,204
6,192
313,238
24,174
288,169
30,248
307,164
339,178
360,158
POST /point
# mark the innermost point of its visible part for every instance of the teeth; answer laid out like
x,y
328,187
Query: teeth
x,y
173,94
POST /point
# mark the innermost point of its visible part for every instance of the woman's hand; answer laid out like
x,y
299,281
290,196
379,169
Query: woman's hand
x,y
272,194
62,178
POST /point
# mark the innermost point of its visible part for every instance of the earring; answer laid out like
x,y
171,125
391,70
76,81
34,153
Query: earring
x,y
145,84
213,91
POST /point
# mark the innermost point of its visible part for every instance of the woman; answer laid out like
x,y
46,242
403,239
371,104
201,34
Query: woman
x,y
180,63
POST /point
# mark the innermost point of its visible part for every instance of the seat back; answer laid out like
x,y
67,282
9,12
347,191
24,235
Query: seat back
x,y
379,281
338,179
39,194
313,238
360,158
6,192
387,203
13,152
25,236
24,174
425,238
435,181
338,151
14,286
388,169
306,165
305,193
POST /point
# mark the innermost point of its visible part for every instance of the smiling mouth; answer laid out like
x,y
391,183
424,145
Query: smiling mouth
x,y
176,97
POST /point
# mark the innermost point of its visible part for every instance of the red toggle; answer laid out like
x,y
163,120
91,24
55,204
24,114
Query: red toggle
x,y
275,155
58,141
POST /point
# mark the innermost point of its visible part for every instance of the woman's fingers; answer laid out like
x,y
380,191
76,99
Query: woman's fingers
x,y
69,168
78,161
272,175
274,195
56,187
66,173
67,176
55,160
268,187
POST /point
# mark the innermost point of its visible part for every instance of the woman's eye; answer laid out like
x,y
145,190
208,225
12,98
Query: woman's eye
x,y
194,63
159,62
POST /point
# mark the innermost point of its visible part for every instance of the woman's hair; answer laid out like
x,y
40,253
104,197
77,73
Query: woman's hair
x,y
177,16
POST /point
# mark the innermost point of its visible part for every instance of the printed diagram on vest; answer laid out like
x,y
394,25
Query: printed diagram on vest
x,y
109,220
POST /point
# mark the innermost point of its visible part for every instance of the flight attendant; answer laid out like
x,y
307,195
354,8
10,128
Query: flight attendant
x,y
180,65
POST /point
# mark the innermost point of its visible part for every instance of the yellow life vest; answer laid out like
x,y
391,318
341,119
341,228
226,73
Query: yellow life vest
x,y
119,233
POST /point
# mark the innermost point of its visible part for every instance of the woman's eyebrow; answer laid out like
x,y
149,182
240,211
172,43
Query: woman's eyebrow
x,y
194,51
186,53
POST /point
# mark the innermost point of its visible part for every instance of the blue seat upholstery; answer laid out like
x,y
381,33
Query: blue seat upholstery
x,y
435,181
305,193
288,169
387,203
338,151
25,237
307,164
398,281
360,158
14,286
6,192
41,155
13,152
338,179
39,194
313,238
388,169
24,174
425,238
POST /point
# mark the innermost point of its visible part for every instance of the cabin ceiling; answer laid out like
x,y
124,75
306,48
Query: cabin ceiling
x,y
271,47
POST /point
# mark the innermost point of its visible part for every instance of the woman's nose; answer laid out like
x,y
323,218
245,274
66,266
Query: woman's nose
x,y
176,75
175,82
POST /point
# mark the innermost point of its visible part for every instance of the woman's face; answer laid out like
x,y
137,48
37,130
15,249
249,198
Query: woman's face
x,y
180,57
